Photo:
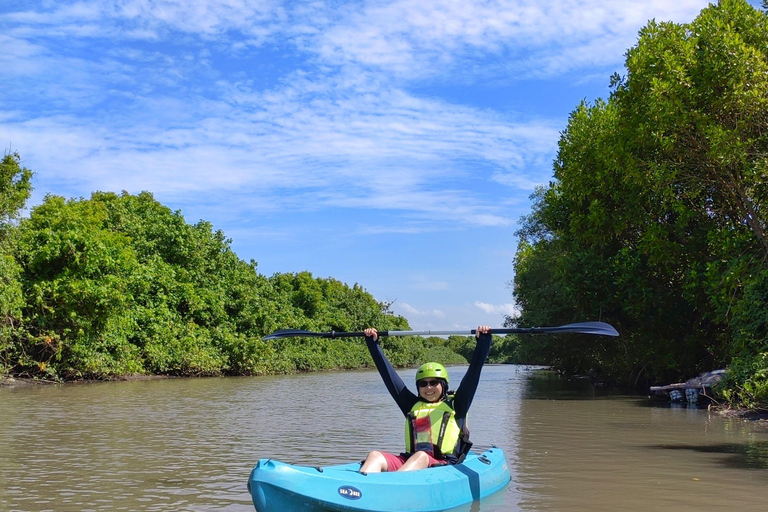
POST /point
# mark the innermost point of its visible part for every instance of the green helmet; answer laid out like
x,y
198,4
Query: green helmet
x,y
432,370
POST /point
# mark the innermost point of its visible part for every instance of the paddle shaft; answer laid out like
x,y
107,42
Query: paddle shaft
x,y
334,334
597,328
472,332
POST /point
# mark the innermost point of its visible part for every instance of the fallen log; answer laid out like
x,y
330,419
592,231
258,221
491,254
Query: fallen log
x,y
692,389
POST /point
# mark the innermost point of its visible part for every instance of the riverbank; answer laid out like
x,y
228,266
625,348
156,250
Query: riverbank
x,y
745,414
7,381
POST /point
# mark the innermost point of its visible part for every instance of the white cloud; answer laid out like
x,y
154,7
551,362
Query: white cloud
x,y
501,309
151,19
351,149
408,310
341,122
415,39
406,39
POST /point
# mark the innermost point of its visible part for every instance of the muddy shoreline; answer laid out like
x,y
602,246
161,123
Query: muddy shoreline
x,y
20,382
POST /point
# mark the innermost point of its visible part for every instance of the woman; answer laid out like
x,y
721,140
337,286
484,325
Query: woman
x,y
436,432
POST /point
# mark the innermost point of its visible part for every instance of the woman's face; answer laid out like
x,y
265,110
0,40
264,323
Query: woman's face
x,y
430,389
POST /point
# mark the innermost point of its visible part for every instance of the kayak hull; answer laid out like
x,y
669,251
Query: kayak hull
x,y
277,487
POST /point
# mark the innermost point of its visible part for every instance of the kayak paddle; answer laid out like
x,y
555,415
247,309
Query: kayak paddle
x,y
597,328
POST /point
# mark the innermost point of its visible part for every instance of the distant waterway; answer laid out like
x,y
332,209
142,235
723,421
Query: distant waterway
x,y
190,444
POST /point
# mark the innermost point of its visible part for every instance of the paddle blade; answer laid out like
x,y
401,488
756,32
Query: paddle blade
x,y
292,333
598,328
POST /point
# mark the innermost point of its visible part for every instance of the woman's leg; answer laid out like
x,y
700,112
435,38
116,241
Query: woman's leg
x,y
375,462
418,460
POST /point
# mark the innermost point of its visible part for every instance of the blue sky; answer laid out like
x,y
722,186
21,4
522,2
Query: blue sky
x,y
391,144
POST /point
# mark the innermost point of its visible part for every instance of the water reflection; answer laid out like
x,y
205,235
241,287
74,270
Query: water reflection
x,y
609,452
548,385
743,456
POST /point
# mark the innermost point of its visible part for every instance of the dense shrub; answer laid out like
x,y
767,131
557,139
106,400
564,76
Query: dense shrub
x,y
656,220
120,284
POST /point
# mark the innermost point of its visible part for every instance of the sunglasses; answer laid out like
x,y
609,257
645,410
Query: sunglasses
x,y
425,383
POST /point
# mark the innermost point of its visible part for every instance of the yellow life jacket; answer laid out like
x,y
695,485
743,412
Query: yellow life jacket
x,y
432,427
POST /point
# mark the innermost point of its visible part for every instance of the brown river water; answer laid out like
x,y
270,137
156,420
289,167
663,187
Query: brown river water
x,y
189,444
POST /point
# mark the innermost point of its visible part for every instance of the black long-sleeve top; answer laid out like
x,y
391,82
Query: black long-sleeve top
x,y
406,399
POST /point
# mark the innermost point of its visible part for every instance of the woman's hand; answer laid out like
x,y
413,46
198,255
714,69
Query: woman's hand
x,y
371,332
482,329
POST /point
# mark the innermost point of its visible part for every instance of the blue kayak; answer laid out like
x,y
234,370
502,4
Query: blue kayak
x,y
279,487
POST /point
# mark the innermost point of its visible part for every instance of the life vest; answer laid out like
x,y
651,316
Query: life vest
x,y
431,427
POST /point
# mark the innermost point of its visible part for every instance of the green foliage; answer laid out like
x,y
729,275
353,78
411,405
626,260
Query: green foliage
x,y
410,351
746,383
747,378
505,349
462,345
656,221
328,304
120,284
11,302
15,188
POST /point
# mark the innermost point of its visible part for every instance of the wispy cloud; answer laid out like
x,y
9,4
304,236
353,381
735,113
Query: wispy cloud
x,y
408,310
150,19
158,95
353,147
419,39
508,309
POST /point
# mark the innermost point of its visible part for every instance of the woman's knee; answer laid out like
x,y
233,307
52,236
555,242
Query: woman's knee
x,y
374,462
375,455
